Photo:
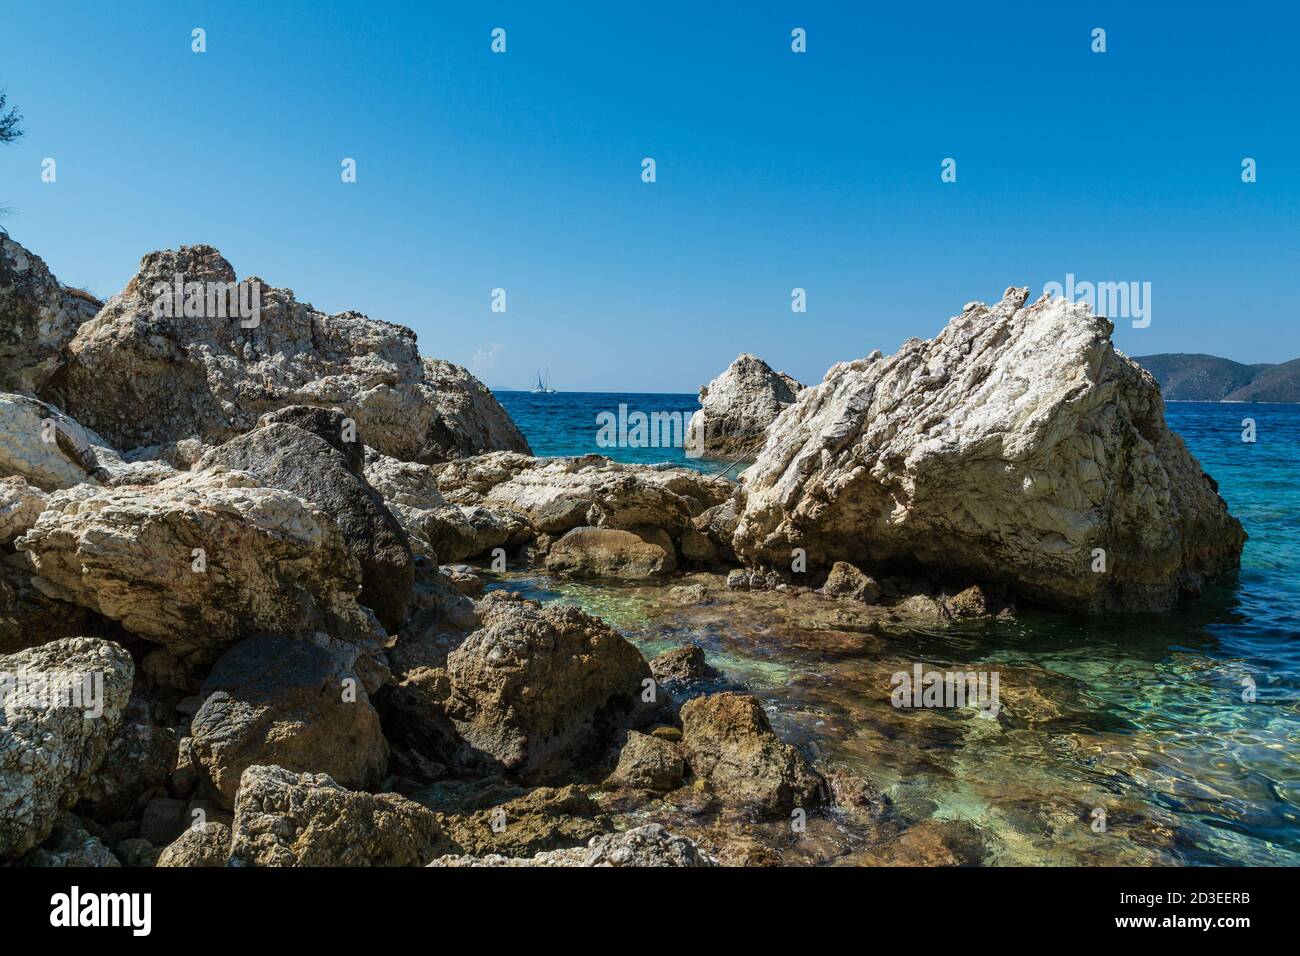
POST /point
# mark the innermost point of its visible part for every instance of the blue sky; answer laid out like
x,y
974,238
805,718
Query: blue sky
x,y
775,170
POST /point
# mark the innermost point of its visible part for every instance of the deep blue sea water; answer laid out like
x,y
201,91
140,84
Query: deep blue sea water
x,y
1158,722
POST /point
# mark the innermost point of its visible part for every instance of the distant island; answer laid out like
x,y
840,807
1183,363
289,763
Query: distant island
x,y
1208,378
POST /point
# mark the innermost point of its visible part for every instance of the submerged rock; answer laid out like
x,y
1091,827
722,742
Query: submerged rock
x,y
60,705
729,743
1015,446
682,665
738,407
38,316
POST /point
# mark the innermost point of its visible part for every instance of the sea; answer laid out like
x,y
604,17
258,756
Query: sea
x,y
1153,739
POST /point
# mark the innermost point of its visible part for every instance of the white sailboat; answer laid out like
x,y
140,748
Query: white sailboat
x,y
541,388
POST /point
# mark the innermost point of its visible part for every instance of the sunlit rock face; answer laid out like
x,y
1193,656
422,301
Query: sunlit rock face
x,y
1018,445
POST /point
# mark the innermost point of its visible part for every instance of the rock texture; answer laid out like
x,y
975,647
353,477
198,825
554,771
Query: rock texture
x,y
469,419
288,457
277,698
537,689
612,553
648,763
211,377
140,758
1008,449
738,407
205,846
51,740
289,819
272,563
729,743
649,845
38,316
20,506
50,450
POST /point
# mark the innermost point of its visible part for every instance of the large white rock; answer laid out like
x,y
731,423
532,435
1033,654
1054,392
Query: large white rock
x,y
738,407
470,419
1012,447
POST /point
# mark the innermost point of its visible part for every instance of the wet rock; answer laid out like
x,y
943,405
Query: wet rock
x,y
469,419
204,846
38,316
537,689
284,456
648,763
729,743
846,581
276,699
931,843
1008,448
49,746
649,845
689,593
289,819
684,665
271,563
612,553
969,603
140,758
543,819
738,407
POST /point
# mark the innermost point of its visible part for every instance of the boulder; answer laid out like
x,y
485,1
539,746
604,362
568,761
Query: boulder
x,y
210,377
648,763
60,705
729,743
1015,446
140,759
469,419
611,553
290,819
682,665
537,689
204,846
285,456
274,699
648,845
545,818
50,450
71,846
38,316
738,407
846,581
20,506
196,562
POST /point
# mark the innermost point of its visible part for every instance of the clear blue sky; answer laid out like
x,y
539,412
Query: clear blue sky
x,y
775,170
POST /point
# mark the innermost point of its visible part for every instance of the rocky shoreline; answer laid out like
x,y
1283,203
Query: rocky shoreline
x,y
246,547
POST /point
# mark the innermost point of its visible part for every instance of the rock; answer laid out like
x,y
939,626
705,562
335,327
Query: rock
x,y
272,563
932,843
287,457
28,617
556,495
205,846
649,845
666,732
49,746
729,743
464,580
50,450
544,819
697,548
684,665
273,699
968,603
611,553
751,579
331,425
189,771
537,689
289,819
38,316
71,846
136,852
211,377
1008,449
469,419
140,758
436,528
163,821
846,581
738,407
648,763
689,593
20,506
718,524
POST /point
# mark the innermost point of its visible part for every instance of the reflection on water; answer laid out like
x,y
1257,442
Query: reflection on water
x,y
1140,716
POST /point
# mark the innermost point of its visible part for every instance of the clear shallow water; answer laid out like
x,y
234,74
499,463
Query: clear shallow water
x,y
1140,715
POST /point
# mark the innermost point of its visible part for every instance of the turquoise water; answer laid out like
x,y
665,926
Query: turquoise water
x,y
1142,715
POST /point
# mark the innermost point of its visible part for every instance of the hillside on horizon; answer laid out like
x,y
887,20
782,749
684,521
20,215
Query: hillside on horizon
x,y
1192,377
